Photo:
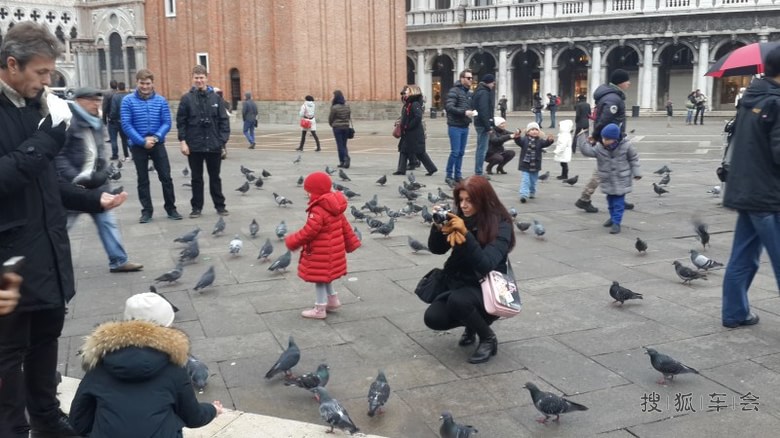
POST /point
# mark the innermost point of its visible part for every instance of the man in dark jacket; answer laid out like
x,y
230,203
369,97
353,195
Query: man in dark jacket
x,y
249,114
32,224
753,189
483,101
106,107
459,113
204,130
115,122
582,112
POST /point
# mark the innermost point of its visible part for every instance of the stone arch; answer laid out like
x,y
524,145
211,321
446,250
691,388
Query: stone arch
x,y
725,41
411,68
662,47
431,60
442,68
517,51
610,49
556,56
482,62
526,66
123,24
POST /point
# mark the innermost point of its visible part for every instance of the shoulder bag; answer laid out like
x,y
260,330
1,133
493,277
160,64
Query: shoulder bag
x,y
397,129
305,123
431,285
500,293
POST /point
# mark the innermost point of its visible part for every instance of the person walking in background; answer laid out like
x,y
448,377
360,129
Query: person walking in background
x,y
115,122
502,106
669,113
106,109
531,145
753,190
700,100
307,113
497,155
690,106
412,141
340,119
249,115
582,114
483,103
459,113
537,109
146,119
204,130
552,106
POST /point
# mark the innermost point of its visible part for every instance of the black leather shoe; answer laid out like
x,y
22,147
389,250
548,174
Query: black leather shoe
x,y
628,206
55,428
467,338
487,347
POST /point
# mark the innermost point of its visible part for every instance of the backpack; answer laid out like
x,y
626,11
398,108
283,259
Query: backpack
x,y
557,100
594,113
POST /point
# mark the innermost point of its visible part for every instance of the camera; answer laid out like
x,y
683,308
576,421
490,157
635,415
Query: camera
x,y
440,216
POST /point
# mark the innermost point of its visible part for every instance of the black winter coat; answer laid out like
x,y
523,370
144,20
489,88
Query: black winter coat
x,y
753,181
136,385
484,101
611,108
32,218
582,116
412,129
458,102
202,121
497,139
528,144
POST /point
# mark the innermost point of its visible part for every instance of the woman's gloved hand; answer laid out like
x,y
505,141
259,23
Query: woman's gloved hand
x,y
454,223
455,238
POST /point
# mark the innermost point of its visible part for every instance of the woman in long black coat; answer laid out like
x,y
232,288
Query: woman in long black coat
x,y
412,142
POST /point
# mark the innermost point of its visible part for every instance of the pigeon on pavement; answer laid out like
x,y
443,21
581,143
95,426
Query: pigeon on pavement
x,y
219,226
443,195
280,200
250,177
310,380
385,229
426,215
550,404
523,226
382,180
288,359
373,223
641,246
687,274
185,171
172,275
281,263
253,228
281,230
297,160
265,173
357,214
244,188
571,181
333,412
259,182
206,279
621,294
189,237
665,180
663,170
659,190
266,250
343,175
667,366
198,372
703,262
539,229
513,212
544,176
378,394
190,253
450,429
701,231
350,194
300,181
235,245
244,170
416,245
329,171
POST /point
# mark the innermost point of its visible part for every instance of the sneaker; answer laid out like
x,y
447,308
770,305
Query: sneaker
x,y
174,215
194,214
145,218
608,223
318,312
128,267
223,212
752,319
522,200
628,206
615,229
586,205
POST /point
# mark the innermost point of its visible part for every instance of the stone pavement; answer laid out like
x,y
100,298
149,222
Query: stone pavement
x,y
569,338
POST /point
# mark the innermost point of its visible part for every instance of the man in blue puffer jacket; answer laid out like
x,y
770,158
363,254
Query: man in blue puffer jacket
x,y
146,119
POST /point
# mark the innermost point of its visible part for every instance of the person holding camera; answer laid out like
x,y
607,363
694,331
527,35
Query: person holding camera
x,y
479,233
204,130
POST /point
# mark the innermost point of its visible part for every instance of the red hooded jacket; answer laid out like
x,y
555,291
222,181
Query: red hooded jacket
x,y
325,239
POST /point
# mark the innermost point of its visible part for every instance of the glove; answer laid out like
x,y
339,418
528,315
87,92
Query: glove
x,y
456,238
55,132
454,223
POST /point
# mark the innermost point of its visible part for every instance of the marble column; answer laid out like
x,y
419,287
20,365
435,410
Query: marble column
x,y
549,84
510,100
502,82
704,56
646,93
107,55
419,73
459,66
595,69
125,70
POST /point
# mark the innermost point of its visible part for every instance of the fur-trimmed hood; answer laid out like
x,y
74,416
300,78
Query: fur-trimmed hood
x,y
133,350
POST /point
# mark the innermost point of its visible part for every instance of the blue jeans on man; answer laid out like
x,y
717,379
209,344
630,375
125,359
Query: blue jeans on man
x,y
552,117
459,136
617,206
483,135
109,236
538,117
528,184
114,130
249,131
754,230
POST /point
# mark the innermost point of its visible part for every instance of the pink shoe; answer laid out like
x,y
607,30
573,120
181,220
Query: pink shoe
x,y
318,312
333,302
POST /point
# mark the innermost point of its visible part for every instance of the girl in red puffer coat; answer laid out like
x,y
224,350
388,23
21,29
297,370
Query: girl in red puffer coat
x,y
325,240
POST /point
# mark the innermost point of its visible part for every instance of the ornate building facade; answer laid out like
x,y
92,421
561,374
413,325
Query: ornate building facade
x,y
570,47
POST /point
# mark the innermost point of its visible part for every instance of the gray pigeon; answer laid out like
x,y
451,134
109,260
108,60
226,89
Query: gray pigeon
x,y
281,230
185,171
450,429
253,228
206,279
343,175
310,380
333,412
641,246
385,229
244,188
288,359
426,215
357,214
373,223
244,170
539,229
701,231
665,180
412,179
443,195
265,173
281,263
198,371
659,190
235,245
119,165
663,170
513,212
350,194
621,294
432,199
378,393
189,237
715,190
339,187
300,181
382,180
266,250
358,233
259,182
329,171
416,245
190,253
297,160
550,404
523,226
687,274
172,275
571,181
250,177
544,176
667,366
280,200
703,262
219,226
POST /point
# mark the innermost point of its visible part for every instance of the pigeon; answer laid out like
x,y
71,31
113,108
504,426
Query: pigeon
x,y
416,245
343,175
408,194
632,131
450,429
357,214
281,263
266,250
297,160
235,245
665,180
373,223
265,173
300,181
385,229
119,165
544,176
550,404
244,188
219,226
376,209
206,279
333,412
659,190
378,393
185,172
288,359
339,187
663,170
253,228
392,213
117,190
571,181
382,180
411,178
350,194
443,195
116,176
358,234
539,229
153,290
687,274
198,371
172,275
310,380
715,190
523,226
667,366
433,199
373,202
280,200
190,253
281,230
701,231
250,177
259,182
703,262
189,237
244,170
427,217
641,246
621,294
329,171
513,212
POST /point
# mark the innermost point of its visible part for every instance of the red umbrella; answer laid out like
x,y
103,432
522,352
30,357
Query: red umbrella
x,y
746,60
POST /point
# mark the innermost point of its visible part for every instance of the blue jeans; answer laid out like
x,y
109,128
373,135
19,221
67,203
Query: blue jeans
x,y
109,236
539,118
341,135
689,116
528,183
114,130
552,118
459,136
616,205
754,230
249,131
482,148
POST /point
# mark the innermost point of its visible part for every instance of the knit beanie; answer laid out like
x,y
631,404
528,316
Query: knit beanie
x,y
318,183
618,76
149,306
611,131
532,125
497,121
488,78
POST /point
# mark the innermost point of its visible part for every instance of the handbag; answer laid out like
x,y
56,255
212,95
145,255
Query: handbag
x,y
305,123
500,293
397,130
351,133
431,285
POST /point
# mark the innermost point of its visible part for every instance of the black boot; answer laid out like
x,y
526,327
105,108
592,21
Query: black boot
x,y
303,140
316,140
467,338
488,343
346,162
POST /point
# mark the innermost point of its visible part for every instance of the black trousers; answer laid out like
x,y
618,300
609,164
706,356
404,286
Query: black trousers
x,y
452,308
159,157
499,159
28,366
303,138
423,158
213,162
565,170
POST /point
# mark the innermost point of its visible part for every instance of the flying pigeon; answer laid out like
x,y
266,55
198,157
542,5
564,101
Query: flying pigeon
x,y
300,181
281,263
641,246
297,160
265,173
571,181
198,371
703,262
244,188
378,394
544,176
266,250
253,228
550,404
621,294
310,380
281,230
667,366
416,245
539,229
235,245
450,429
687,274
219,226
189,237
343,175
244,170
701,231
153,290
659,190
382,180
185,171
357,214
523,226
385,229
663,170
206,279
172,275
259,182
190,253
288,359
333,412
280,200
665,180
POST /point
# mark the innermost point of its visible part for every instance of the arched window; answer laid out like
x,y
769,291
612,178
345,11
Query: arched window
x,y
115,51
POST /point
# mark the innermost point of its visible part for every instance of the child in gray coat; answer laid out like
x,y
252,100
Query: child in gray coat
x,y
618,165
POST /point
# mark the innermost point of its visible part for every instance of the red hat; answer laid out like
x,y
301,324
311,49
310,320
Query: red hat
x,y
318,183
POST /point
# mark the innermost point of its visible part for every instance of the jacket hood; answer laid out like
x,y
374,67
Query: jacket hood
x,y
565,127
605,89
134,350
335,203
758,90
309,106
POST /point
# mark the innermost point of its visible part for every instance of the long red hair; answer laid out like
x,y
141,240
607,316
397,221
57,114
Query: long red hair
x,y
490,210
